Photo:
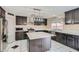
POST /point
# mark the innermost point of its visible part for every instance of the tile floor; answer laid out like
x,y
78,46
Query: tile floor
x,y
55,47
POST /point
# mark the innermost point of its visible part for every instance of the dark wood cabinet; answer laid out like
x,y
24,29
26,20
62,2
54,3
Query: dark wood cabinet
x,y
72,16
21,20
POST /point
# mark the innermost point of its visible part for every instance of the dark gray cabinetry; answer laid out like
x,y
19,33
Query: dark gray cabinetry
x,y
19,35
64,39
76,42
21,20
68,39
40,22
60,37
72,16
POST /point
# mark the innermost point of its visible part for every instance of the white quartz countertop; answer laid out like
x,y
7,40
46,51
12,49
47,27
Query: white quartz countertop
x,y
38,35
72,32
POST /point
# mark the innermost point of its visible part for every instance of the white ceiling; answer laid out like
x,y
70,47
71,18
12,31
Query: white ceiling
x,y
46,11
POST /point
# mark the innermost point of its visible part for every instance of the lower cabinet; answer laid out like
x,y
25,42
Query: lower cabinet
x,y
68,40
76,42
19,35
64,38
60,37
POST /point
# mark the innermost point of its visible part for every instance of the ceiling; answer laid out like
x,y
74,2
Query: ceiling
x,y
46,11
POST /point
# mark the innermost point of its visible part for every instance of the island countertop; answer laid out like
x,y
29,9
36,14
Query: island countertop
x,y
38,35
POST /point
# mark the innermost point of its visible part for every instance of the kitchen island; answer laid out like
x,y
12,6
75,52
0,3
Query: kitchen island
x,y
39,41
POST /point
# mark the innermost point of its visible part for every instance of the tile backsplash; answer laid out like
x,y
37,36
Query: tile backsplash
x,y
72,26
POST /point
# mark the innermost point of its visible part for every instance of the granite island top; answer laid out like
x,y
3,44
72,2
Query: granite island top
x,y
72,32
38,35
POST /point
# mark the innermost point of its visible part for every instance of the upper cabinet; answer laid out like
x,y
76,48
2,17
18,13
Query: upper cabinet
x,y
72,16
21,20
2,12
40,22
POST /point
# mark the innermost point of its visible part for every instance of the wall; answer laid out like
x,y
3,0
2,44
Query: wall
x,y
11,28
49,22
72,26
54,20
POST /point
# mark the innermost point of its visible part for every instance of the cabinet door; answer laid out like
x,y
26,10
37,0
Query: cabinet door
x,y
24,20
68,17
35,45
19,36
76,42
46,44
64,39
18,20
76,16
70,41
58,36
